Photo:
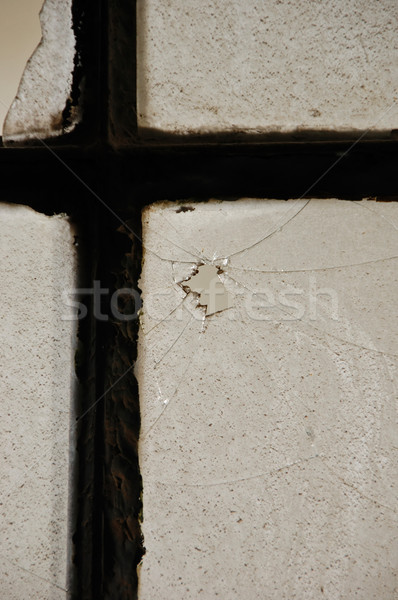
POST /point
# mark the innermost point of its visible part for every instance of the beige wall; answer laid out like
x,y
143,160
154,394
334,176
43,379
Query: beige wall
x,y
19,35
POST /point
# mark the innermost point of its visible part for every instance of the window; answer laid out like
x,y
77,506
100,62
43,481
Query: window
x,y
266,441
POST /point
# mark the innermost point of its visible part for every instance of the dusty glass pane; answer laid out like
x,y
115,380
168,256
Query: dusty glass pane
x,y
267,67
268,445
37,384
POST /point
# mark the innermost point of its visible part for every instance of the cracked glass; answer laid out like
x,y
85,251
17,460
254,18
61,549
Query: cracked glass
x,y
267,426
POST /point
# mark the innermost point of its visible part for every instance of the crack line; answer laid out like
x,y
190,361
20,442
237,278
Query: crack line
x,y
381,216
157,363
275,230
158,232
311,270
17,566
145,434
321,331
146,333
242,479
353,487
199,254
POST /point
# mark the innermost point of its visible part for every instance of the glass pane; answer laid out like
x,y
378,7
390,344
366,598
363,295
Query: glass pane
x,y
266,68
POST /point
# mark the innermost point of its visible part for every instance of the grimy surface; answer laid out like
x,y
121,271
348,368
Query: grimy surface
x,y
37,264
268,445
224,66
